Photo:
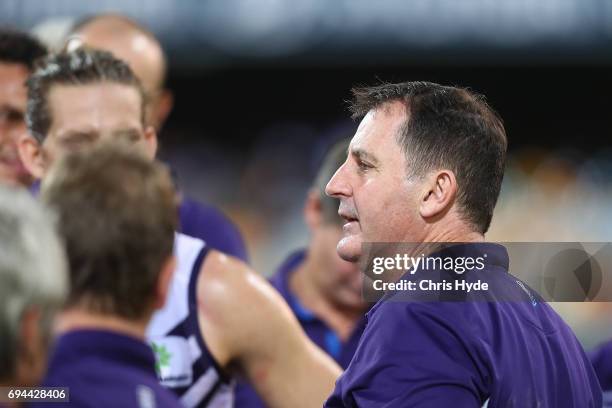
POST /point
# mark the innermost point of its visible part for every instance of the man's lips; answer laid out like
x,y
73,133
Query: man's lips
x,y
11,160
351,221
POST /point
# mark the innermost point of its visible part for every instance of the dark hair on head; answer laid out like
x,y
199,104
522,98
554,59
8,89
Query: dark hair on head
x,y
19,47
80,67
335,157
452,128
123,234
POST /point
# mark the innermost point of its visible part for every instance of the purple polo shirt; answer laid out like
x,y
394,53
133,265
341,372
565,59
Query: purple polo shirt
x,y
315,329
467,353
105,369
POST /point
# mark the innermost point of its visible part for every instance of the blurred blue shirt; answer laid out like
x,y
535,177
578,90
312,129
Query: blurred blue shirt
x,y
315,328
209,224
601,358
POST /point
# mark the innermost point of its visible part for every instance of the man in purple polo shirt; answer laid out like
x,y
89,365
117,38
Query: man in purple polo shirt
x,y
322,289
138,47
117,215
425,166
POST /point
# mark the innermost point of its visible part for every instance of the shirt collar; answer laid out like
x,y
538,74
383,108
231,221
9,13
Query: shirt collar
x,y
110,346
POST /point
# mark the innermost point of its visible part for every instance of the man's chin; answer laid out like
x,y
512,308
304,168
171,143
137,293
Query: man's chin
x,y
349,249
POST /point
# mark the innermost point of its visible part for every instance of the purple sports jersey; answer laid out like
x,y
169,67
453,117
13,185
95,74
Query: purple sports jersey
x,y
315,329
468,353
205,222
211,226
105,369
601,358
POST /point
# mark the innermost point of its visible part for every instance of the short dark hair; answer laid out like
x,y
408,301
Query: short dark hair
x,y
18,47
334,158
80,67
117,213
448,127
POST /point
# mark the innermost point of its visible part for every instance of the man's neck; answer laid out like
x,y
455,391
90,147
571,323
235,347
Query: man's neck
x,y
341,320
454,230
77,319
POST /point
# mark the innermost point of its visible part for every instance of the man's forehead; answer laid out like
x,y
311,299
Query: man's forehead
x,y
13,73
100,102
93,91
13,92
379,126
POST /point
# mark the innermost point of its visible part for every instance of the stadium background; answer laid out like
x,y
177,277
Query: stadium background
x,y
260,90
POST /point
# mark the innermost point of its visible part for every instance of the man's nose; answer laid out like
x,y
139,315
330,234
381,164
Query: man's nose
x,y
338,185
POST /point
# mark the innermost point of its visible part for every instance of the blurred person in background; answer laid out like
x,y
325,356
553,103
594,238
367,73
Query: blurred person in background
x,y
117,215
134,44
18,52
601,358
426,166
322,289
33,284
220,318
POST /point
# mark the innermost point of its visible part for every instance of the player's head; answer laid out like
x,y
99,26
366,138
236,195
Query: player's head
x,y
77,99
117,214
33,283
426,164
137,46
18,52
339,280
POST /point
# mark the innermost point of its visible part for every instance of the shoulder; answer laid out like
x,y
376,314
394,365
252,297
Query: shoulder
x,y
228,285
422,326
210,224
238,309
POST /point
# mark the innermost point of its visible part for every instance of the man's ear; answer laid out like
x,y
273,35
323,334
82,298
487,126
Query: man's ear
x,y
163,282
32,156
32,349
312,209
439,194
150,139
164,106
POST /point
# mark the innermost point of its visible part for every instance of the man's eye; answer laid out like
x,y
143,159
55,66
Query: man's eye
x,y
130,137
77,141
74,144
11,116
363,166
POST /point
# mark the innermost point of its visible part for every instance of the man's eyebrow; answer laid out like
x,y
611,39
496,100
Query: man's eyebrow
x,y
9,107
71,133
363,155
127,130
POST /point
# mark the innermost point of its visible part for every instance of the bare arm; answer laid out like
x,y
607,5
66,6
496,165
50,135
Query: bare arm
x,y
247,324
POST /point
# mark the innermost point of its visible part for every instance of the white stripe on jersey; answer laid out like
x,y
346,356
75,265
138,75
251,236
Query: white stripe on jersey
x,y
200,388
176,309
182,349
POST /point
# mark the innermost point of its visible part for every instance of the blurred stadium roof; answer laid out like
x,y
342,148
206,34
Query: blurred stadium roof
x,y
357,32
